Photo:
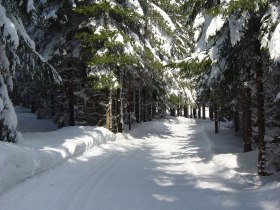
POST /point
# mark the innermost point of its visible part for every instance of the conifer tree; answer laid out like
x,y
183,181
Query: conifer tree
x,y
232,44
14,39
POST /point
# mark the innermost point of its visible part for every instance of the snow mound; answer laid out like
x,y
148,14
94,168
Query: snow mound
x,y
42,151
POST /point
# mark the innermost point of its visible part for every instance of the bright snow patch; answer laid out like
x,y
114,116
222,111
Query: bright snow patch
x,y
215,26
8,28
135,6
40,151
274,45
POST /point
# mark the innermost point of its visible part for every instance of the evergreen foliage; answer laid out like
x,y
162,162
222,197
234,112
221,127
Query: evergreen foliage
x,y
230,33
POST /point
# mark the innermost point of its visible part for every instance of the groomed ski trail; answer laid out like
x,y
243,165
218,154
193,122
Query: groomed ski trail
x,y
160,165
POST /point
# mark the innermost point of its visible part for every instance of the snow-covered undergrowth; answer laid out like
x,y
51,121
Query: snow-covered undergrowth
x,y
39,151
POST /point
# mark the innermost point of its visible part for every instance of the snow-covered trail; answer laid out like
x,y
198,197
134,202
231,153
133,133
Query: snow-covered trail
x,y
167,164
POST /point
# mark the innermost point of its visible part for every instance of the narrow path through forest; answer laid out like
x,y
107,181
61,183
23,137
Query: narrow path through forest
x,y
165,164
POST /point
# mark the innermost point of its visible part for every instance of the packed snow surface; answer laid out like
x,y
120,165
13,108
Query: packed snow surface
x,y
166,164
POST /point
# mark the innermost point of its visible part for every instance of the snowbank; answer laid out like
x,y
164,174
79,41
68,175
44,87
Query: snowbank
x,y
42,151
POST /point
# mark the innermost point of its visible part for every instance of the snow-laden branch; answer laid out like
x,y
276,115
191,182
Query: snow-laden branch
x,y
31,44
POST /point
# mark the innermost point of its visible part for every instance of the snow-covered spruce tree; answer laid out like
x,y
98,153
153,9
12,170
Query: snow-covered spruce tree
x,y
204,61
255,63
165,42
18,57
55,37
270,43
8,60
32,84
210,43
130,40
53,28
239,24
12,36
111,38
169,40
213,40
15,46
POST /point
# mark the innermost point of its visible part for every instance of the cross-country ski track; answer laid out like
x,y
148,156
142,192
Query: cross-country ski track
x,y
166,164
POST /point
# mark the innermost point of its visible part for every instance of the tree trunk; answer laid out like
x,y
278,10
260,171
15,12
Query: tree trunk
x,y
151,112
203,112
155,110
33,106
120,105
185,110
138,106
216,114
172,111
71,101
260,112
109,123
199,112
191,111
236,121
130,105
161,110
134,101
247,128
211,114
144,109
194,113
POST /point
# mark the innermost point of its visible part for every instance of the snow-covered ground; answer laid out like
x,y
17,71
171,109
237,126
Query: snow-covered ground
x,y
173,163
28,122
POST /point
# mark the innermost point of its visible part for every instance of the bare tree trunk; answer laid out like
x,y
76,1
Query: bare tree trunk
x,y
199,111
138,105
247,128
260,108
236,121
186,110
144,105
130,105
211,114
151,111
120,105
191,111
203,112
109,123
172,111
194,113
216,114
134,100
71,100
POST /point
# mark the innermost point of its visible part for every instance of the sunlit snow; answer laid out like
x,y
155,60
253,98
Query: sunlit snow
x,y
216,24
274,45
172,163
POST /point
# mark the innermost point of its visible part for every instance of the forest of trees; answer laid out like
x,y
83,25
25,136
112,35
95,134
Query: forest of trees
x,y
116,62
